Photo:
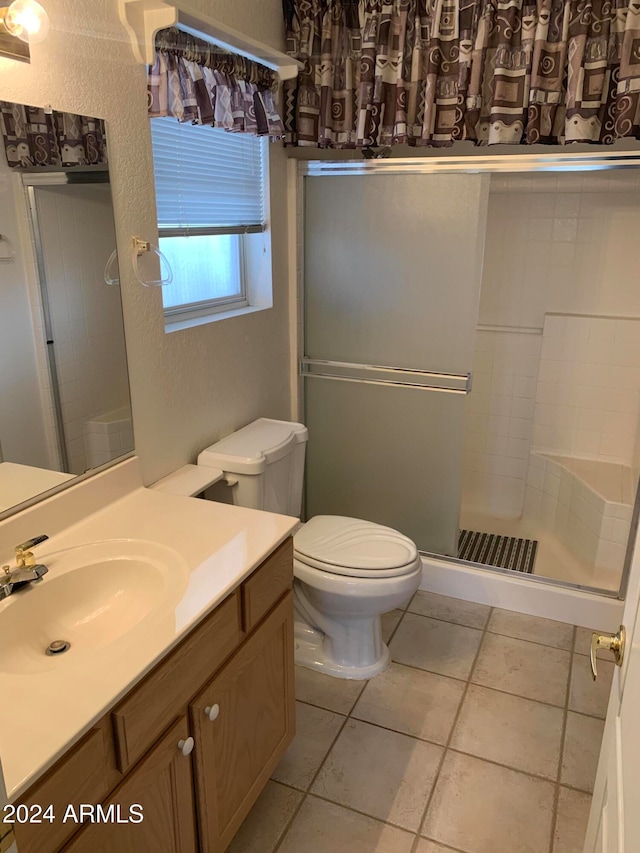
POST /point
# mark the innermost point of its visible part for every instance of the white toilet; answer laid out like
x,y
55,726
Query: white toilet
x,y
348,572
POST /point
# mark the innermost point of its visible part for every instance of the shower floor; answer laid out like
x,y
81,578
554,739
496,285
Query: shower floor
x,y
553,559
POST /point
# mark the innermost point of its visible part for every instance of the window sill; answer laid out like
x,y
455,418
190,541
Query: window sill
x,y
175,324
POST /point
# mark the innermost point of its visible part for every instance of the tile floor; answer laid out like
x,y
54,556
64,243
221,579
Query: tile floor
x,y
481,737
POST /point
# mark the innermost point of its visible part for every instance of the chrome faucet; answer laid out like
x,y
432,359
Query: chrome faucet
x,y
26,570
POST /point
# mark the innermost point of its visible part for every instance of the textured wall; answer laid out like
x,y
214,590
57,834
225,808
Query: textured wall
x,y
190,387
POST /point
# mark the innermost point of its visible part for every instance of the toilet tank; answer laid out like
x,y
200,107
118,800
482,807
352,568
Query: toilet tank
x,y
266,458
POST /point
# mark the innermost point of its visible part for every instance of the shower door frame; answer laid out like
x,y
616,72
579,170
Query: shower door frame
x,y
301,366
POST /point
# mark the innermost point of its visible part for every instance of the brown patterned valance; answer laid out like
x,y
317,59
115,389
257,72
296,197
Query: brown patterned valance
x,y
35,137
430,72
196,81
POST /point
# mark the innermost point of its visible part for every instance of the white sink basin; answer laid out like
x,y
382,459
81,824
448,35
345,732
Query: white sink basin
x,y
91,597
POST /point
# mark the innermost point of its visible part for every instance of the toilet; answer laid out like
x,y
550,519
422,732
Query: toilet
x,y
347,572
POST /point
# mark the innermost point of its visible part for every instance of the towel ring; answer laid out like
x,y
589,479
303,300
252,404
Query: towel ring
x,y
141,247
111,271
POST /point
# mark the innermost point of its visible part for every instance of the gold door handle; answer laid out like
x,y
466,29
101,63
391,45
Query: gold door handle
x,y
612,642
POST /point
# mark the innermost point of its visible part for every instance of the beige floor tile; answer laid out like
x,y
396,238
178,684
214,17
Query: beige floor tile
x,y
321,827
411,701
583,643
449,609
586,695
435,646
267,820
581,751
315,732
426,846
335,694
384,774
390,623
532,628
482,808
571,823
525,669
510,730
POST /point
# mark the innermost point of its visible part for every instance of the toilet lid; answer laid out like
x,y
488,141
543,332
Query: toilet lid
x,y
350,546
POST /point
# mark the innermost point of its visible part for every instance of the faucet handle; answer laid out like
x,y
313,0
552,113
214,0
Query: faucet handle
x,y
24,555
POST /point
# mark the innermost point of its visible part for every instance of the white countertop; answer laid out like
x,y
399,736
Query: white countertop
x,y
19,483
46,711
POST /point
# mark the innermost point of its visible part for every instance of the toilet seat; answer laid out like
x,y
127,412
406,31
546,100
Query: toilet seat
x,y
354,548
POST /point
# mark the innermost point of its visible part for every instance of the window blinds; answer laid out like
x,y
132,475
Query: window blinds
x,y
208,181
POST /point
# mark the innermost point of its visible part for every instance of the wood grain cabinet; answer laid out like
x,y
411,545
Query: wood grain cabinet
x,y
162,785
242,722
193,744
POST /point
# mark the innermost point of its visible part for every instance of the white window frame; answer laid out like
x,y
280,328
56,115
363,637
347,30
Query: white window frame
x,y
193,310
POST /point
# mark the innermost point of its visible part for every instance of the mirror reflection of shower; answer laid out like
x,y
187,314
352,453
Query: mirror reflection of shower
x,y
64,390
73,233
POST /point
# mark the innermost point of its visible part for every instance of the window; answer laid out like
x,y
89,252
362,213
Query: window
x,y
211,202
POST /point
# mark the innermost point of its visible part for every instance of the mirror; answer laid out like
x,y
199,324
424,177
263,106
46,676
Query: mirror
x,y
64,388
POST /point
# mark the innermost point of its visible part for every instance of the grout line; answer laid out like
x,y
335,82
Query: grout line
x,y
449,739
530,773
556,796
306,793
448,621
310,785
393,633
488,630
354,810
490,687
440,844
326,755
446,748
550,779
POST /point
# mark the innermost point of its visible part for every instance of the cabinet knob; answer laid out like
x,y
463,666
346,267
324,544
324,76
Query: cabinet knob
x,y
186,746
212,712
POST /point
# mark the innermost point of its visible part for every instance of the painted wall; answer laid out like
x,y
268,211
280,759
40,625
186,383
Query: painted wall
x,y
190,387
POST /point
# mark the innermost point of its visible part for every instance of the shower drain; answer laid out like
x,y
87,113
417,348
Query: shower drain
x,y
58,647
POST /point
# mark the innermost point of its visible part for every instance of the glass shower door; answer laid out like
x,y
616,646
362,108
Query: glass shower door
x,y
393,265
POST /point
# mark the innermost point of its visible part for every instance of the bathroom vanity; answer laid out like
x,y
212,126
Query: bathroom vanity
x,y
182,719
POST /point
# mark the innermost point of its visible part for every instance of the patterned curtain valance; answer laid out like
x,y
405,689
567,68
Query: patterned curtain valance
x,y
430,72
35,137
195,81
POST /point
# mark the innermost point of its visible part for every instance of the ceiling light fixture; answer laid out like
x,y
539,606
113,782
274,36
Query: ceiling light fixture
x,y
22,24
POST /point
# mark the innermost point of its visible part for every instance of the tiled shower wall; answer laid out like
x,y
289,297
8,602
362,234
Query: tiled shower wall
x,y
588,395
556,243
500,418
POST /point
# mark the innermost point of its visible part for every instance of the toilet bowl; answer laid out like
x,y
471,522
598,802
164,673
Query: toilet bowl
x,y
347,571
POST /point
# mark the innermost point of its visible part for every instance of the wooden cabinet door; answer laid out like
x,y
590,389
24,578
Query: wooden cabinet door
x,y
163,785
237,751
